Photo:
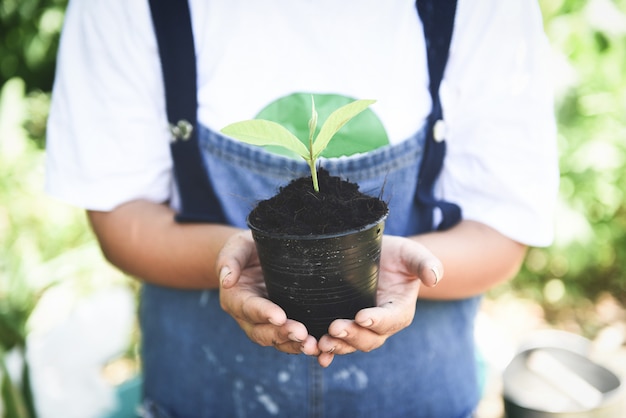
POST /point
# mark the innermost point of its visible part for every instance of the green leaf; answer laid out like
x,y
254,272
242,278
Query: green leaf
x,y
264,132
364,133
336,121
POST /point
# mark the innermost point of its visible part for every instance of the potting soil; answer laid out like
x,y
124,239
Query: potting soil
x,y
298,210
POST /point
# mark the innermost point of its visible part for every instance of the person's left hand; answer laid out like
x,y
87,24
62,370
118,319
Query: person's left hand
x,y
404,265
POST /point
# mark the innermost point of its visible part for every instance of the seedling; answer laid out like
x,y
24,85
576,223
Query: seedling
x,y
262,132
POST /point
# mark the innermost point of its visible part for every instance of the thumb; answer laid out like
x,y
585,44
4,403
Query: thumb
x,y
234,256
423,263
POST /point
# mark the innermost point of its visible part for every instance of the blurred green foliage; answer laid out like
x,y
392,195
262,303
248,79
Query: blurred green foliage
x,y
588,257
44,244
29,36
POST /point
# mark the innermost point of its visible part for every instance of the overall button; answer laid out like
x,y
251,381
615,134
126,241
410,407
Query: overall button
x,y
182,130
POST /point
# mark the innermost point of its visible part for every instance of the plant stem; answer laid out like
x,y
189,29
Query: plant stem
x,y
311,162
316,186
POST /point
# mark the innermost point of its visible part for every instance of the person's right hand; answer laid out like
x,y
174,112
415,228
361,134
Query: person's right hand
x,y
243,295
404,266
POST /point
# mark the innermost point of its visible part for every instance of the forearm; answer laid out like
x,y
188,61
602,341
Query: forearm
x,y
142,239
475,258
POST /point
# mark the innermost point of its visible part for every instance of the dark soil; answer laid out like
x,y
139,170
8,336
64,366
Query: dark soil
x,y
298,210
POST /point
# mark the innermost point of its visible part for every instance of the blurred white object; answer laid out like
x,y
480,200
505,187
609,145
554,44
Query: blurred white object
x,y
553,376
72,337
564,380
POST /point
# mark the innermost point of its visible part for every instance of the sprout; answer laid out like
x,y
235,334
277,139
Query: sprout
x,y
264,132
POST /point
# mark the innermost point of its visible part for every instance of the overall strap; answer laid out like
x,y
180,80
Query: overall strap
x,y
438,21
172,25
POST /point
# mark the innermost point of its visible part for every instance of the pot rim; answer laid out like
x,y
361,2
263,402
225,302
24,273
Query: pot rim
x,y
309,237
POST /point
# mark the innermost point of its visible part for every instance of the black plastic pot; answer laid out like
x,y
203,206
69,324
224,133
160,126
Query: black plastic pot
x,y
319,278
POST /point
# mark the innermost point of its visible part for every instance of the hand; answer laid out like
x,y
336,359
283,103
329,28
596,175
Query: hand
x,y
404,265
244,297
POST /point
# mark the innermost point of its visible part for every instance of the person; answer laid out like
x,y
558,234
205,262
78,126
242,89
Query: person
x,y
212,343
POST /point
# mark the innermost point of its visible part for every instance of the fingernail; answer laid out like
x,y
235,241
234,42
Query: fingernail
x,y
292,337
435,271
273,322
332,350
342,334
367,323
224,273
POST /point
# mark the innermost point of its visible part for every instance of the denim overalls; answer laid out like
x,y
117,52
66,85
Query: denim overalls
x,y
197,362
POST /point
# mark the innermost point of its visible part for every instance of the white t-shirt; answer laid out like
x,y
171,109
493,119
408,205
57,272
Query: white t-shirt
x,y
108,141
